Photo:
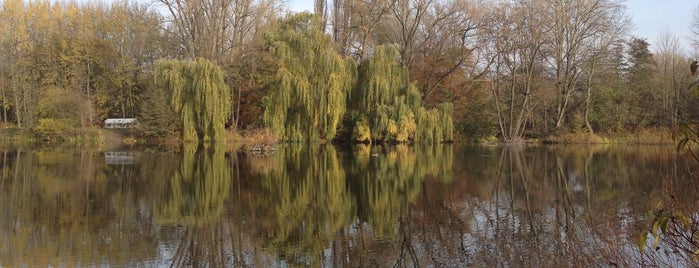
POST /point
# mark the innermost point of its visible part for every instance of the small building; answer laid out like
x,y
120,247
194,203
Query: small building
x,y
120,122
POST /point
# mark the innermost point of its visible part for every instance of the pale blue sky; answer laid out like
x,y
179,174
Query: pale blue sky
x,y
650,17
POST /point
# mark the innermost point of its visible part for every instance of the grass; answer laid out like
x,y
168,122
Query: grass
x,y
657,136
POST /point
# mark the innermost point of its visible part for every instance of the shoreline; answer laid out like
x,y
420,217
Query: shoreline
x,y
119,138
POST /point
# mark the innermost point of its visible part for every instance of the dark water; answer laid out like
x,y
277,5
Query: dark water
x,y
443,206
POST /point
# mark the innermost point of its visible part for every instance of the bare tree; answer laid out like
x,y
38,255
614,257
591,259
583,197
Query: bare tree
x,y
608,31
445,52
573,25
212,29
515,32
671,65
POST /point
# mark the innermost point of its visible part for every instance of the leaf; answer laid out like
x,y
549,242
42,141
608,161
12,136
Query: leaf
x,y
642,241
654,229
683,218
656,241
663,223
659,204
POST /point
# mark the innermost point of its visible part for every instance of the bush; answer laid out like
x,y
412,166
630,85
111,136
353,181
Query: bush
x,y
54,125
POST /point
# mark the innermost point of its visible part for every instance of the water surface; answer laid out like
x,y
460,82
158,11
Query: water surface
x,y
362,206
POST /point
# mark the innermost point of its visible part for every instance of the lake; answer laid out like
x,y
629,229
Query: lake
x,y
353,206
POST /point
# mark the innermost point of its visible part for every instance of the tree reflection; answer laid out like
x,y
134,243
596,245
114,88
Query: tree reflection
x,y
195,193
192,198
374,206
306,200
386,179
317,201
57,203
554,207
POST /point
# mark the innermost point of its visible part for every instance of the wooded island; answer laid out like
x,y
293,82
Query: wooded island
x,y
396,71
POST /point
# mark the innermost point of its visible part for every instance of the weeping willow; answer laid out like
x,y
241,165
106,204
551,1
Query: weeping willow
x,y
198,94
391,106
309,95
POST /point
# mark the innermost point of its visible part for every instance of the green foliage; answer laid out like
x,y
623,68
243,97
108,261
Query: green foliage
x,y
97,52
198,95
680,229
385,95
54,125
479,122
65,105
361,132
309,95
445,110
159,120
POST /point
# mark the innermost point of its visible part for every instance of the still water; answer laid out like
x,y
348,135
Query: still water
x,y
394,206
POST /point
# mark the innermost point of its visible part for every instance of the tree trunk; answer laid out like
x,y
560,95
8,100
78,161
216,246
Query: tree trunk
x,y
588,97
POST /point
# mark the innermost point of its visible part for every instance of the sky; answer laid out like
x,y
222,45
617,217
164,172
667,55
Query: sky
x,y
650,18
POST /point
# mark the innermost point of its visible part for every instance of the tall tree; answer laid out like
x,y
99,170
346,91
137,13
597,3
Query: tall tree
x,y
198,94
385,99
224,31
15,45
447,40
354,24
517,36
389,108
308,97
99,52
247,62
670,63
694,28
643,95
609,31
572,26
213,29
199,26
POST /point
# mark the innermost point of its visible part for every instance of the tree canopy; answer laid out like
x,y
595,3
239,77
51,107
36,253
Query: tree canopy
x,y
312,83
198,94
388,106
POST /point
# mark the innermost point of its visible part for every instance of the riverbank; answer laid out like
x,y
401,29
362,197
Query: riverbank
x,y
263,138
658,136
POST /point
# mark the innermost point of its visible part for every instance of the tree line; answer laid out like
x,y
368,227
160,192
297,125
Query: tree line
x,y
363,70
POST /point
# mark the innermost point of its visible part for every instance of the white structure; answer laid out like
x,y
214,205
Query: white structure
x,y
119,158
120,122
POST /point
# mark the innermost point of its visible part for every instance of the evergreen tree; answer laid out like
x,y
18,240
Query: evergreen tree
x,y
309,94
198,95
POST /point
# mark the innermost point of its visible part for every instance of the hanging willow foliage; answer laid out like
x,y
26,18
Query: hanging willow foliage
x,y
393,105
312,84
198,94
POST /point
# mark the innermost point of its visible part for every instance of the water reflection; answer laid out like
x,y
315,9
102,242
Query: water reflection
x,y
119,158
192,192
65,208
323,206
